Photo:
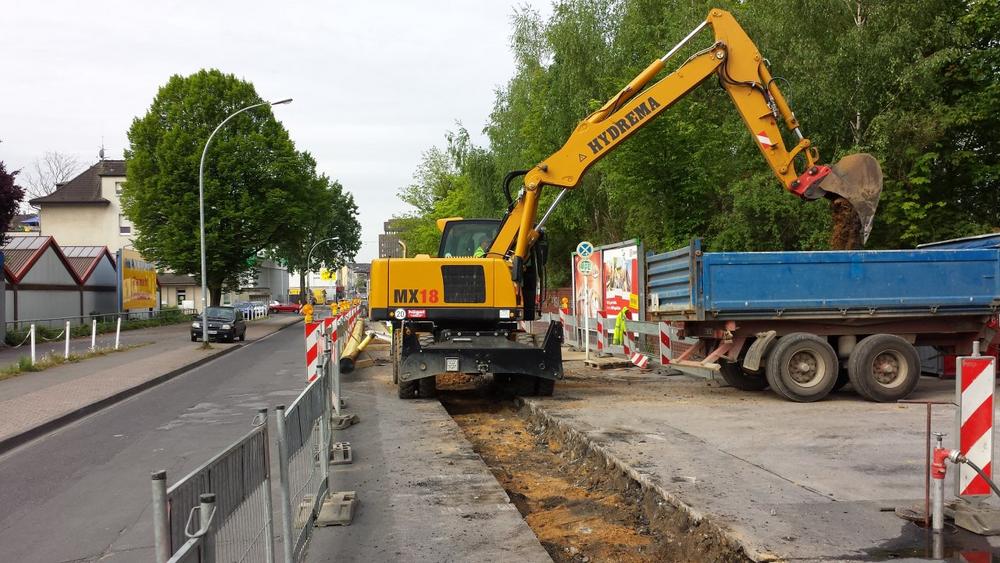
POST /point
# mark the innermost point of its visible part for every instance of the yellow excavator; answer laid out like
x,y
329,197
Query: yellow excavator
x,y
459,312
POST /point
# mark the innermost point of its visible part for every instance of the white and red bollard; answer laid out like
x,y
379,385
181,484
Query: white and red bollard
x,y
664,343
312,349
976,381
601,335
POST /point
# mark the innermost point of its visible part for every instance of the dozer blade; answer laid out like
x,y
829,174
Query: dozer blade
x,y
858,179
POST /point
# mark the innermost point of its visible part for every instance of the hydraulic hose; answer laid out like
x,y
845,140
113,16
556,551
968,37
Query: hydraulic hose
x,y
993,485
506,184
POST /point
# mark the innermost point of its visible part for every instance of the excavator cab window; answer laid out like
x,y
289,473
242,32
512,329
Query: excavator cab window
x,y
462,238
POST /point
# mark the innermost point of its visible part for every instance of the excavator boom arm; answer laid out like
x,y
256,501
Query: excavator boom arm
x,y
742,72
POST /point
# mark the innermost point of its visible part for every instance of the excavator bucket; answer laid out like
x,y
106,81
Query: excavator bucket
x,y
858,179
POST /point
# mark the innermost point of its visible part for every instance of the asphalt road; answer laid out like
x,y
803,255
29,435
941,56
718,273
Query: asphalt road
x,y
82,493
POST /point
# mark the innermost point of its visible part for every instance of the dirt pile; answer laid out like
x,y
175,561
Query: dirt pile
x,y
845,233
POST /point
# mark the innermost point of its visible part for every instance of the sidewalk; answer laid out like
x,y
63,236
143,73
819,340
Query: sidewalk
x,y
34,403
424,494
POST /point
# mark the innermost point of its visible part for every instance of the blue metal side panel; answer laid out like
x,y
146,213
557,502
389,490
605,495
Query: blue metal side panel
x,y
831,284
669,280
991,240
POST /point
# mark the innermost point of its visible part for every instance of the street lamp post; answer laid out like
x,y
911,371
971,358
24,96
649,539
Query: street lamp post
x,y
201,212
309,258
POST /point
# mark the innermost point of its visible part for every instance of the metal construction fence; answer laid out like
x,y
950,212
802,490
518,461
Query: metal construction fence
x,y
222,512
658,341
303,453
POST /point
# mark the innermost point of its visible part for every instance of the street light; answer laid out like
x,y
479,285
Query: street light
x,y
201,212
309,257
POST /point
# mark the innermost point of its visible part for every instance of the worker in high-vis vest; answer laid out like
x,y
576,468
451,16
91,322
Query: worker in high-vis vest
x,y
619,335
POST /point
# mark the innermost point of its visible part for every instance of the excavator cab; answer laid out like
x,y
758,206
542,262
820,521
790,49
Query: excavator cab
x,y
461,237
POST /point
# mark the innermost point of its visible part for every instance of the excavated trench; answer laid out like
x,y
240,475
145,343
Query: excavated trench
x,y
580,505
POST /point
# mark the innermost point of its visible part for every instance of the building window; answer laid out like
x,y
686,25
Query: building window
x,y
124,225
118,188
181,297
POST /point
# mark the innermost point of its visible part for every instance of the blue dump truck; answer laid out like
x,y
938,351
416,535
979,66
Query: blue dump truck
x,y
807,323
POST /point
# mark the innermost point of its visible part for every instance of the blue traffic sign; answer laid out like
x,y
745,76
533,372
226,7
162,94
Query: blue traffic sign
x,y
584,249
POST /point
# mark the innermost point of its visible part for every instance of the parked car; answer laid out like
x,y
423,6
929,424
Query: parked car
x,y
224,323
276,307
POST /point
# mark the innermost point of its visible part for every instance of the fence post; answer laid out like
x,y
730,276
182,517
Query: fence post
x,y
268,505
118,331
286,496
325,430
336,374
31,331
66,352
206,511
161,526
93,334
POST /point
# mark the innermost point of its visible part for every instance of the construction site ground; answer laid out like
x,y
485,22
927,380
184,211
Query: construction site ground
x,y
630,465
779,480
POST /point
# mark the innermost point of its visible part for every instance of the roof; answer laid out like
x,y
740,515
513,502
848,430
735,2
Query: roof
x,y
85,187
175,279
84,259
21,253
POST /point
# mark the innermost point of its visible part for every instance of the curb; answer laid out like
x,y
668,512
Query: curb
x,y
576,438
16,440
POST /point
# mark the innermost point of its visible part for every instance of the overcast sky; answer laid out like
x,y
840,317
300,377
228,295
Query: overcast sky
x,y
375,83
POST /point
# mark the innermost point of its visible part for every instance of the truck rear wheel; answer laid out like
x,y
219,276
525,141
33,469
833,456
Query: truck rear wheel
x,y
802,367
736,377
884,368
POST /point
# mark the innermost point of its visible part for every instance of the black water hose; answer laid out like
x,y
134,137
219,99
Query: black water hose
x,y
993,486
506,185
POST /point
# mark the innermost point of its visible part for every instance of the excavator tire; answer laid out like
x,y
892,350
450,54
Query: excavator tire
x,y
407,389
544,387
427,387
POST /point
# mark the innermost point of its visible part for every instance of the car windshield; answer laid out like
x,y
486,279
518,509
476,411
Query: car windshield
x,y
222,313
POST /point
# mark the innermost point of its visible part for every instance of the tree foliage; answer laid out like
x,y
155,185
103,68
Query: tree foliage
x,y
327,212
914,82
256,183
10,197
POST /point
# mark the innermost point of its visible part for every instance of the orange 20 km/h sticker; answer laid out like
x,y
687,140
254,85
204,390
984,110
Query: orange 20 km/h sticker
x,y
415,296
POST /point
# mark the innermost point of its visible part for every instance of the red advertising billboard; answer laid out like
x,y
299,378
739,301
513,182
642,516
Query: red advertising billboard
x,y
621,279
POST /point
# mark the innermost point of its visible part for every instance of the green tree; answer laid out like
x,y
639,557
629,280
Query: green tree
x,y
326,212
253,177
10,198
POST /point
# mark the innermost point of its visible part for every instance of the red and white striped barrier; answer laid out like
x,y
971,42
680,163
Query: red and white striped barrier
x,y
976,377
601,335
313,344
639,360
664,343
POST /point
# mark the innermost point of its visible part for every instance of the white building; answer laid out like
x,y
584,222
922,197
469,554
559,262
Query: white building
x,y
86,210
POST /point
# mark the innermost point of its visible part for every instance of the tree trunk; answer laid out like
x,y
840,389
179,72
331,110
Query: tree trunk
x,y
302,287
215,294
